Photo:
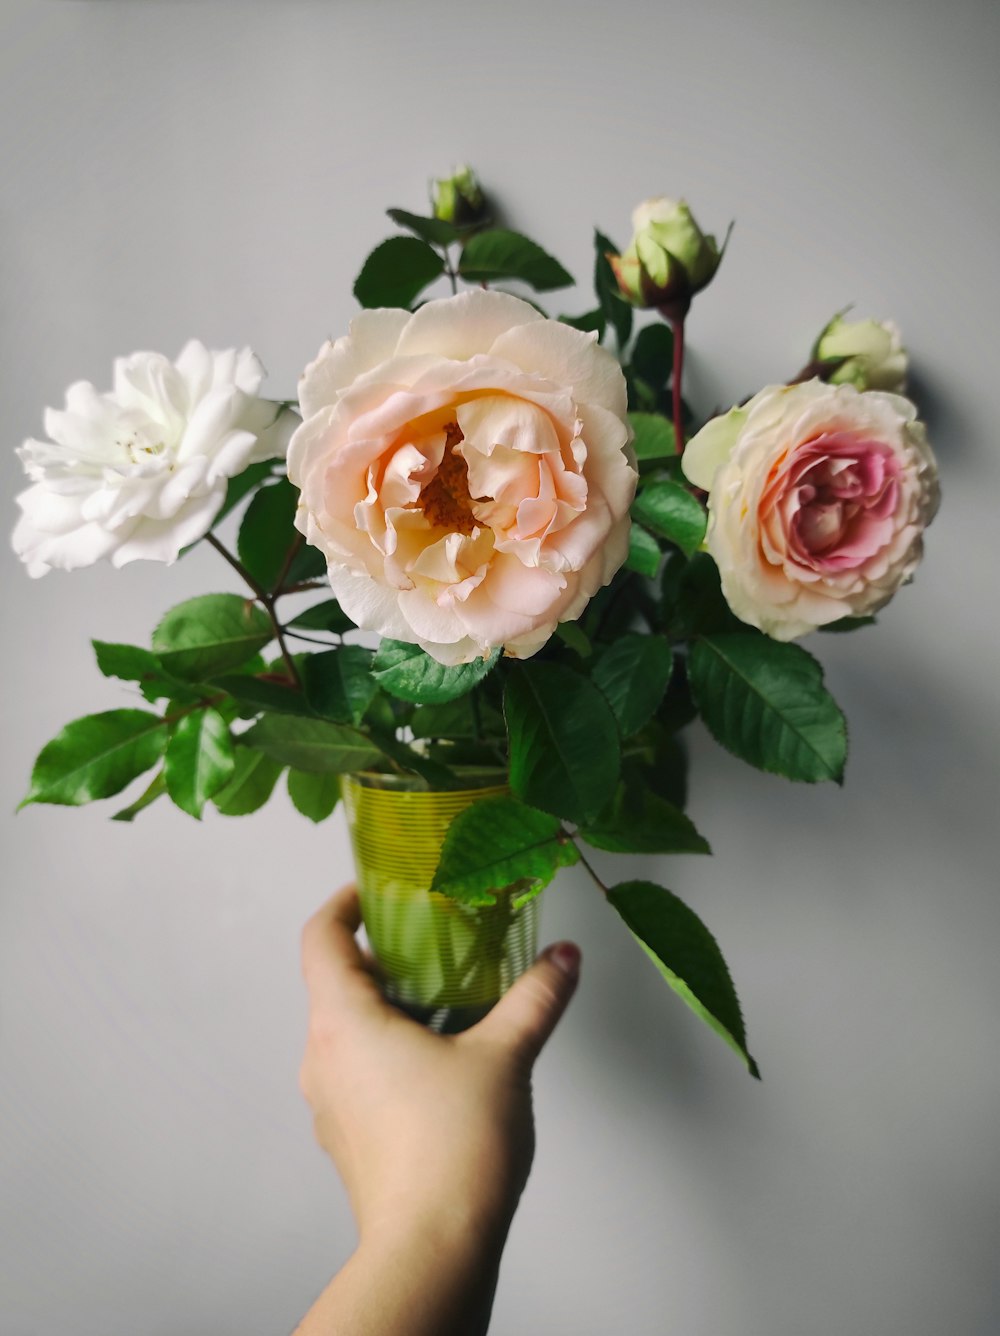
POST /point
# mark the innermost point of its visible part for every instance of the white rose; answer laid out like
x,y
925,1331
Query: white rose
x,y
818,499
141,472
466,471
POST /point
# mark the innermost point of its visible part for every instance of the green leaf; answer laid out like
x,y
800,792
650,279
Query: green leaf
x,y
453,719
315,796
564,749
687,955
848,624
199,760
616,309
672,512
156,788
693,601
652,354
96,756
405,671
131,663
573,635
208,635
396,272
325,616
308,563
254,694
498,253
252,783
339,684
242,484
268,532
495,843
765,701
633,674
433,230
312,744
591,322
644,553
654,437
641,822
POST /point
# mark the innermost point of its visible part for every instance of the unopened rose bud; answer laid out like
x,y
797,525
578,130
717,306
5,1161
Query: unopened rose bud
x,y
867,354
459,198
669,259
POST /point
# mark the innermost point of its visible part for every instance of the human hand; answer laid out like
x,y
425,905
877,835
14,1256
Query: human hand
x,y
429,1132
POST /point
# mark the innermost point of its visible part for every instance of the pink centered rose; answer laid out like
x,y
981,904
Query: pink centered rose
x,y
466,471
818,498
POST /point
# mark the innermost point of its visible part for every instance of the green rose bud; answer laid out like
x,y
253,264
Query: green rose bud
x,y
458,198
867,354
669,260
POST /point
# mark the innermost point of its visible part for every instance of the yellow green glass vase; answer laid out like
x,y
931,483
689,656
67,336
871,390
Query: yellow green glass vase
x,y
442,962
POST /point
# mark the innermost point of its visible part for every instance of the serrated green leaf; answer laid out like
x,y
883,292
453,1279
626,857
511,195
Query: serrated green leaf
x,y
254,694
573,635
616,309
268,532
252,783
96,756
641,822
455,719
325,616
693,601
131,663
498,253
339,684
644,553
687,955
315,796
433,230
156,788
199,760
654,437
406,671
765,701
564,749
396,272
209,635
495,843
652,355
633,674
672,512
312,744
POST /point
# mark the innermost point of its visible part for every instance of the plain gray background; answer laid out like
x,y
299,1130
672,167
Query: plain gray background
x,y
220,171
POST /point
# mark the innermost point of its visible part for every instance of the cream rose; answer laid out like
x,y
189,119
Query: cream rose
x,y
141,471
466,470
818,498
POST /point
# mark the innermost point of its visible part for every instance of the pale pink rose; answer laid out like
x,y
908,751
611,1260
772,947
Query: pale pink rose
x,y
466,470
818,499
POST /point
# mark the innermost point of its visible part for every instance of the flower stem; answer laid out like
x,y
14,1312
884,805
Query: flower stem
x,y
267,600
583,859
677,325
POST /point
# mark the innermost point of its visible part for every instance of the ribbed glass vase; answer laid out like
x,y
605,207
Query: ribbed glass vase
x,y
442,962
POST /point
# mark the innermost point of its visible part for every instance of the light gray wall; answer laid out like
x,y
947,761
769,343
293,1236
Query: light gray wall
x,y
199,169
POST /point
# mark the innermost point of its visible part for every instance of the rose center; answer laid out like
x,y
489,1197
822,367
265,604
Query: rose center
x,y
446,500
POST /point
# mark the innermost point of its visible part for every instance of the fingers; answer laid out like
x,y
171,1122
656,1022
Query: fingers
x,y
334,966
525,1016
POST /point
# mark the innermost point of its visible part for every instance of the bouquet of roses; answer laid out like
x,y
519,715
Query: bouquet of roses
x,y
491,558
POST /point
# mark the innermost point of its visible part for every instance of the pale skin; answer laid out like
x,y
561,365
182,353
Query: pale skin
x,y
433,1135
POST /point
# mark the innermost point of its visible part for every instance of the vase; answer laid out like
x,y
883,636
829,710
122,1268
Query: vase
x,y
442,962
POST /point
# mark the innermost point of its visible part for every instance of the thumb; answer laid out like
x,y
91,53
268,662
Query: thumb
x,y
527,1014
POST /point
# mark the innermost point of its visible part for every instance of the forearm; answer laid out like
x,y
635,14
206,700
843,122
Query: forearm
x,y
414,1281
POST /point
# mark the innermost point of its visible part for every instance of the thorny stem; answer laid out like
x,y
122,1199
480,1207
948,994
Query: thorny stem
x,y
268,601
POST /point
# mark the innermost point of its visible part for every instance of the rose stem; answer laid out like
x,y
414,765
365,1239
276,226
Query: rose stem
x,y
450,271
266,599
677,325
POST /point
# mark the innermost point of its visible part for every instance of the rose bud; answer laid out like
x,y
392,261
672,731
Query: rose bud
x,y
669,259
458,198
867,354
